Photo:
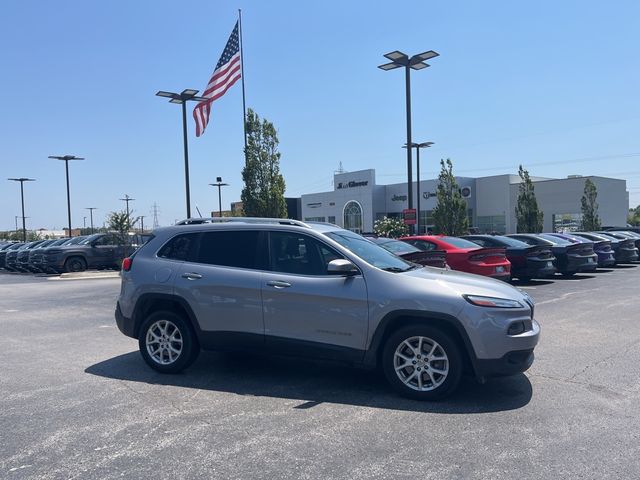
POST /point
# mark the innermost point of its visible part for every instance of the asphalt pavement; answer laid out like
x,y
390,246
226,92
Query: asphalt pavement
x,y
77,401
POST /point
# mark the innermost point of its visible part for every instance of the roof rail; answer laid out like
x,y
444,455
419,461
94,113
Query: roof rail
x,y
279,221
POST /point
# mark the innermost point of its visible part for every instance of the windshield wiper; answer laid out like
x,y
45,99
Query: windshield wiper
x,y
398,269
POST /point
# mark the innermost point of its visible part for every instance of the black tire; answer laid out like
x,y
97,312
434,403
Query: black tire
x,y
75,264
188,352
568,274
446,344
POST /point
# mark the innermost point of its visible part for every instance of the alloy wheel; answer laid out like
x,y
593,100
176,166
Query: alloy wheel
x,y
421,363
164,342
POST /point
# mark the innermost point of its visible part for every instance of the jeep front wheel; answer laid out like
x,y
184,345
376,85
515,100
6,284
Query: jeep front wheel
x,y
422,362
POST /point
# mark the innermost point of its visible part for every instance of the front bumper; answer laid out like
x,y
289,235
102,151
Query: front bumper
x,y
516,361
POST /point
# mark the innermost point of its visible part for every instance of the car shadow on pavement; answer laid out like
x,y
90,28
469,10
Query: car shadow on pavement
x,y
577,276
314,383
530,283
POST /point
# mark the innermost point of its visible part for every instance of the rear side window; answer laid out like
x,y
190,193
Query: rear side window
x,y
423,245
180,247
230,249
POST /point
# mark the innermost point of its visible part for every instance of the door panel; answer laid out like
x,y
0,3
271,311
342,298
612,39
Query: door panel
x,y
324,309
303,304
223,299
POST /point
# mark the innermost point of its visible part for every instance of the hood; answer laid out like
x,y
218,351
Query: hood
x,y
467,283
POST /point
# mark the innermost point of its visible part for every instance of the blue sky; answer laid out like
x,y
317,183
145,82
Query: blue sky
x,y
552,85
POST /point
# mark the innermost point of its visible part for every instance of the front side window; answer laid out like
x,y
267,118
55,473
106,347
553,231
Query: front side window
x,y
230,248
292,252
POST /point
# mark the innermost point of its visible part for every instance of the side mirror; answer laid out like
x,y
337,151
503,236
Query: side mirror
x,y
342,267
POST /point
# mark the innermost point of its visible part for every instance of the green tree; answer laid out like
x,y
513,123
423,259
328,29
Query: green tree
x,y
528,216
120,223
263,192
634,216
590,219
390,227
450,215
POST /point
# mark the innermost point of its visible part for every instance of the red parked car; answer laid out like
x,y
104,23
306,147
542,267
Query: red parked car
x,y
466,256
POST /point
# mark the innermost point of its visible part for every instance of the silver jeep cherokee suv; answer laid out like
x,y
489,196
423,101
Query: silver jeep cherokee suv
x,y
316,290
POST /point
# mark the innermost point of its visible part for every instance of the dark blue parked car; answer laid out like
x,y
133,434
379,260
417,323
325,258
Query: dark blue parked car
x,y
603,249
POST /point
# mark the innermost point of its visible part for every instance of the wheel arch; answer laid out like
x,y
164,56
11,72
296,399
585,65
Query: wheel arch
x,y
152,302
401,318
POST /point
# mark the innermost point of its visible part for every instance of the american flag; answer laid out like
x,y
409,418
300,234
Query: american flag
x,y
227,72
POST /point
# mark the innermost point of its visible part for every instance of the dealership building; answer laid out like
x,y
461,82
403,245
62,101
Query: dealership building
x,y
357,201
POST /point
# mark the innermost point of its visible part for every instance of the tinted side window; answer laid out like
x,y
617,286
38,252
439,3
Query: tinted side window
x,y
423,245
294,253
480,241
179,248
230,248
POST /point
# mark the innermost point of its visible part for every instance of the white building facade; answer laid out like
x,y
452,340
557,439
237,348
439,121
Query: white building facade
x,y
357,201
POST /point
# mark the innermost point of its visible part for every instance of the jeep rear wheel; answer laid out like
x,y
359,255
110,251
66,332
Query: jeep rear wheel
x,y
422,362
75,264
167,342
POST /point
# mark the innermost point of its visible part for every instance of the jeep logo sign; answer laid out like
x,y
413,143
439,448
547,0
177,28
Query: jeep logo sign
x,y
399,198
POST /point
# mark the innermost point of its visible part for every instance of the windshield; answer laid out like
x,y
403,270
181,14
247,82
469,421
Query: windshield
x,y
459,242
90,239
554,239
369,251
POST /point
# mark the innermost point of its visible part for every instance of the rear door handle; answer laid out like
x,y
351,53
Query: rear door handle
x,y
192,276
278,284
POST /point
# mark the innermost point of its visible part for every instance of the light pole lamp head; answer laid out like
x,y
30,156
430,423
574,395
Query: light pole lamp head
x,y
66,158
22,179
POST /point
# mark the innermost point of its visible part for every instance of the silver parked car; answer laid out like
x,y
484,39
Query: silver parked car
x,y
315,290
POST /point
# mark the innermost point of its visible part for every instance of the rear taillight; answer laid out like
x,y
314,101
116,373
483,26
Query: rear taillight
x,y
126,264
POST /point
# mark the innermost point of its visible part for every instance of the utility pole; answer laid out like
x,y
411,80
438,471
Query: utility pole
x,y
128,199
141,223
91,209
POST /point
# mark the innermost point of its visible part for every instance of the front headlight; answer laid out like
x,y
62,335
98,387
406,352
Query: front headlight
x,y
494,302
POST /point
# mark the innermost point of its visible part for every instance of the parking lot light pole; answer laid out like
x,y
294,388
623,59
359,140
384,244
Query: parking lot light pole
x,y
22,180
416,62
182,99
91,209
418,146
219,184
66,159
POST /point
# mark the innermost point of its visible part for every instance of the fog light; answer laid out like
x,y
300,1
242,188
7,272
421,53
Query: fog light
x,y
516,328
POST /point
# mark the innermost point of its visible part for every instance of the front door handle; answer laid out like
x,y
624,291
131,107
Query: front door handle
x,y
278,284
192,276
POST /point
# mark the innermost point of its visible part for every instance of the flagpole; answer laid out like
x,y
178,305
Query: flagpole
x,y
244,104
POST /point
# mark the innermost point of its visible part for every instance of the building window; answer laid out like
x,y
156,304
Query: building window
x,y
567,222
314,219
492,224
352,216
332,219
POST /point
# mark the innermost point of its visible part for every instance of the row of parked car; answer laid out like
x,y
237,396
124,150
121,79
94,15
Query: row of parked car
x,y
521,256
98,251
